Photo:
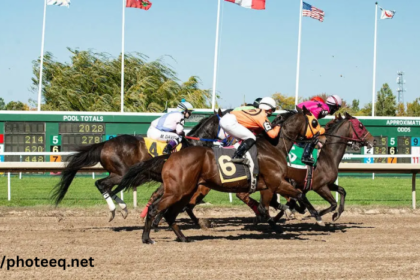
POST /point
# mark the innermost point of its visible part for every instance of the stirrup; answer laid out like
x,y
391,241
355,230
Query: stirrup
x,y
308,161
243,160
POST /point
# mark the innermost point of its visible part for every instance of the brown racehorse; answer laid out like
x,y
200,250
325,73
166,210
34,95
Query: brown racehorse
x,y
186,170
340,133
118,154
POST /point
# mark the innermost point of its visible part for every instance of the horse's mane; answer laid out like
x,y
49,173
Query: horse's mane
x,y
333,125
198,126
281,118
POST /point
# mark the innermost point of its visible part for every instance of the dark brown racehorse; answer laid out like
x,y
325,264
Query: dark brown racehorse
x,y
340,133
118,154
186,170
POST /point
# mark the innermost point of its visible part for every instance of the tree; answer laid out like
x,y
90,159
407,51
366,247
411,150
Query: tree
x,y
355,105
386,104
2,104
413,108
17,106
366,110
284,102
92,82
401,110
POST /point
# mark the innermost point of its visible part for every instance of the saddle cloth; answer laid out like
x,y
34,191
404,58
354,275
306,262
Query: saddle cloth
x,y
295,157
155,148
232,172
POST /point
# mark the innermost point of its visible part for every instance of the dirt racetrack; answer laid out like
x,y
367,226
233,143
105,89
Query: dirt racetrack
x,y
363,244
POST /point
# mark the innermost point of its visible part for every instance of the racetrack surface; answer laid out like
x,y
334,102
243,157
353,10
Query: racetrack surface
x,y
363,244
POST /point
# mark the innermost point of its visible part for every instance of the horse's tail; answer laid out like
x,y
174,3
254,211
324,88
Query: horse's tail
x,y
86,156
141,173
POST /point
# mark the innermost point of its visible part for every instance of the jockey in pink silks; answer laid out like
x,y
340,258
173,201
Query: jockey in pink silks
x,y
320,110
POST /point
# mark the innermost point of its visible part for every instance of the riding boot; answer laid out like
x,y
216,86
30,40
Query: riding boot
x,y
169,147
239,154
307,153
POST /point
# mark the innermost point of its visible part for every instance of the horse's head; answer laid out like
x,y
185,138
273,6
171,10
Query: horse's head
x,y
354,133
299,124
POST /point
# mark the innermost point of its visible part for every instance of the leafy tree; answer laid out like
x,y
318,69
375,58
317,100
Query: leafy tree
x,y
386,104
2,104
355,105
401,110
284,102
366,110
413,108
17,106
92,82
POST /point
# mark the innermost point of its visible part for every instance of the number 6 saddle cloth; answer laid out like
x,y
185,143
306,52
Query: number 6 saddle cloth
x,y
155,148
232,172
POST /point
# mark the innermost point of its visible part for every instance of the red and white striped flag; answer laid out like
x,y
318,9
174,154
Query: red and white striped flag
x,y
313,12
250,4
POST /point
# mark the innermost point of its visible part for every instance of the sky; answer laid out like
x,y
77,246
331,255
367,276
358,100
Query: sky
x,y
257,51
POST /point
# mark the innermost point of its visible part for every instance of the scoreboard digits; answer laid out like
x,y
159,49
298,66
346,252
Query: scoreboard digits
x,y
380,147
24,137
73,135
404,148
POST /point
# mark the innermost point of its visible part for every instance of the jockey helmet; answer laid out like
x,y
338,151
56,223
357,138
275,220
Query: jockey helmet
x,y
184,106
256,103
267,103
334,100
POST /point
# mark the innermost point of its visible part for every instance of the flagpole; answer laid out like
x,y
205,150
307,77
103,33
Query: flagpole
x,y
42,57
122,57
216,53
374,60
298,55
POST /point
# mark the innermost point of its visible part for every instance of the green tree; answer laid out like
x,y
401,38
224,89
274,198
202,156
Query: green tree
x,y
413,108
92,82
2,104
401,110
386,104
366,110
355,105
17,106
284,102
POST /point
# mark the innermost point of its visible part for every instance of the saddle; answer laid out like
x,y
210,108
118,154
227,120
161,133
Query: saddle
x,y
155,148
232,172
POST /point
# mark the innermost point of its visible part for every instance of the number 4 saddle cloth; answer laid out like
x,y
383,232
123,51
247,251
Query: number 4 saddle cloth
x,y
155,148
232,172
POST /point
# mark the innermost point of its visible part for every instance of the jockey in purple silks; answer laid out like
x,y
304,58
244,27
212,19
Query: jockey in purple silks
x,y
320,110
170,127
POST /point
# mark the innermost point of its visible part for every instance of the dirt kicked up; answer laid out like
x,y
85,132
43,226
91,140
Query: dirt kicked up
x,y
363,244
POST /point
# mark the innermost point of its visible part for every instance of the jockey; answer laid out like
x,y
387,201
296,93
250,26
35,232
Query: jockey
x,y
249,106
320,110
170,127
239,124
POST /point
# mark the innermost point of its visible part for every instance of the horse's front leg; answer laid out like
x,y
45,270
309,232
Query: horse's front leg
x,y
342,192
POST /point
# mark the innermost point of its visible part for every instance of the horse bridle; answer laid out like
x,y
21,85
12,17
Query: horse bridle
x,y
355,137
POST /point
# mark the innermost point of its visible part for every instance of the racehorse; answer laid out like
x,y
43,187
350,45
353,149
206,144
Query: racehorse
x,y
118,154
186,170
340,133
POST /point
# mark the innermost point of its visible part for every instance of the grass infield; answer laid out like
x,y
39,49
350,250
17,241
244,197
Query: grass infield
x,y
35,191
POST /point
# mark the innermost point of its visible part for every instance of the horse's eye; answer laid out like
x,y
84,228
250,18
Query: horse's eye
x,y
361,125
314,123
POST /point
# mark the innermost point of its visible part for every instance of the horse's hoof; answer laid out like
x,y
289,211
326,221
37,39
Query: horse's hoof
x,y
124,212
335,216
205,224
185,239
320,223
148,241
111,215
289,214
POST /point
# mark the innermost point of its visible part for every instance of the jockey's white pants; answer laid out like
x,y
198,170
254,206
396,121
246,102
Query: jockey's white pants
x,y
230,124
162,136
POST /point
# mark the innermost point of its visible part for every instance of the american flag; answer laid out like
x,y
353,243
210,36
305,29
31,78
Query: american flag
x,y
313,12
